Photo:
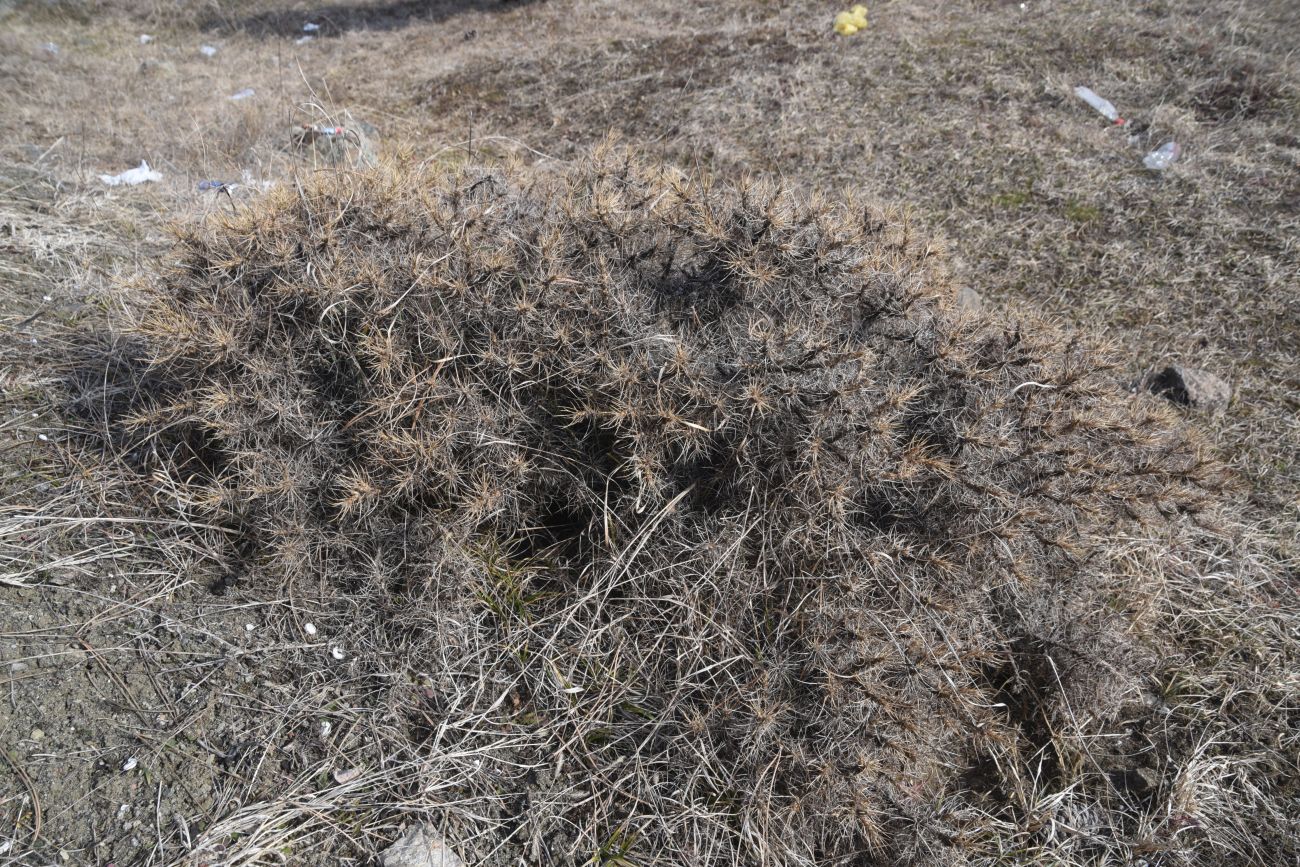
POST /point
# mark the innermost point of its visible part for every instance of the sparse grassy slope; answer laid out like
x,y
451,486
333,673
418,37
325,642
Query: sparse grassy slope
x,y
255,744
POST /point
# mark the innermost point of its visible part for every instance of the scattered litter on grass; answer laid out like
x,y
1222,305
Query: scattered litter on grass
x,y
1103,106
1163,157
208,50
204,186
141,174
310,27
303,40
250,627
309,628
1159,159
51,48
336,652
243,94
325,728
851,21
336,145
130,764
145,39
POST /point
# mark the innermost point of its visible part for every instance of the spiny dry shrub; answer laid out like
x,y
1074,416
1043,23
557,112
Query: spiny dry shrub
x,y
726,538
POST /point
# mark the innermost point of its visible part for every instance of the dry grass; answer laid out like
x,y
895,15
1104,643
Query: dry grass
x,y
1036,198
963,114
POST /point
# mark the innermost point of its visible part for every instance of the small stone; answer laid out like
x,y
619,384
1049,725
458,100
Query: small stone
x,y
38,735
420,847
154,66
1188,386
346,775
1142,782
969,300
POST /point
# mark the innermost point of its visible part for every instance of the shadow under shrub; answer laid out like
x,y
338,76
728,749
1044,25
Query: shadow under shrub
x,y
735,541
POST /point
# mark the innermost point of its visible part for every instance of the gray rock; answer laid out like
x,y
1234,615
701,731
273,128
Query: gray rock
x,y
154,66
1142,782
969,300
420,847
1188,386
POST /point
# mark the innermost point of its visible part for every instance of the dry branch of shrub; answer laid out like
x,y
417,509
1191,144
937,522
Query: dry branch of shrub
x,y
717,534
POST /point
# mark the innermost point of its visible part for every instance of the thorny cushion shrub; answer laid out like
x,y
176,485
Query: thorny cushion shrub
x,y
780,558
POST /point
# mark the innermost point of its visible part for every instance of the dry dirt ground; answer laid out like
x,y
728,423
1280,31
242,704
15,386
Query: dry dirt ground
x,y
149,711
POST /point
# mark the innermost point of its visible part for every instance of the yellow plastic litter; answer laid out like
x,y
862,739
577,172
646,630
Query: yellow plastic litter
x,y
850,22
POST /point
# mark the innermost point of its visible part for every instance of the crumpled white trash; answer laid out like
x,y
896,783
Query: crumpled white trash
x,y
141,174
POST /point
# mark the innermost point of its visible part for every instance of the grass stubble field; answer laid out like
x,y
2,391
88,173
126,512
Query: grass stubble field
x,y
161,707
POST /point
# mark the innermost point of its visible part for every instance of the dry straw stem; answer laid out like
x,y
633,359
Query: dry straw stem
x,y
720,535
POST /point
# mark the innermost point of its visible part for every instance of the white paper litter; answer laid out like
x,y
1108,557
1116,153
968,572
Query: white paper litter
x,y
208,50
141,174
243,94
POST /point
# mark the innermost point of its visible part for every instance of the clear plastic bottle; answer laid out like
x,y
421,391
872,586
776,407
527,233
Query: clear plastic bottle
x,y
1163,157
1102,105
